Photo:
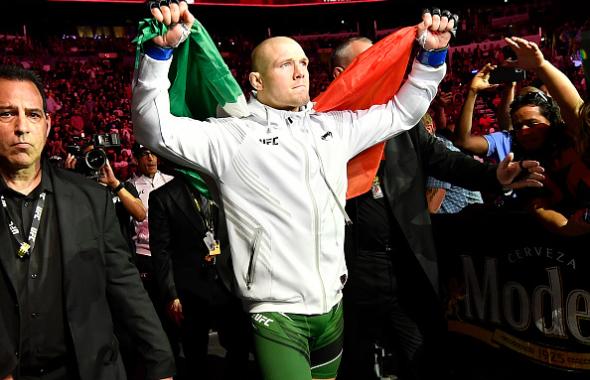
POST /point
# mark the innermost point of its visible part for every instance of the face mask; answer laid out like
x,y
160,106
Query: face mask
x,y
533,138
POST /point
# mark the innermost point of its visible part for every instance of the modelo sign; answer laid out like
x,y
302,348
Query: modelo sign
x,y
517,288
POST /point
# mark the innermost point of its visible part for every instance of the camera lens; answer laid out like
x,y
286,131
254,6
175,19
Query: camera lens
x,y
95,159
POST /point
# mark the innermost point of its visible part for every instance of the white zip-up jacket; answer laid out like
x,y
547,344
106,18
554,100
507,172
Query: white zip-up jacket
x,y
286,230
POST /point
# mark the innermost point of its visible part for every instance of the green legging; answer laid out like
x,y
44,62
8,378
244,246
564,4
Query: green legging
x,y
298,347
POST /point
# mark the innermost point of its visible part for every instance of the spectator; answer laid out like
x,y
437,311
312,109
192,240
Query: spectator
x,y
496,144
444,197
540,134
571,104
148,179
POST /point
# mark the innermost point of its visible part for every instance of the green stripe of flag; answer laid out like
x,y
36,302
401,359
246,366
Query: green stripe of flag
x,y
202,85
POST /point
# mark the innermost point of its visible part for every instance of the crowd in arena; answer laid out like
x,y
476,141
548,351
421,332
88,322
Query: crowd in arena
x,y
91,89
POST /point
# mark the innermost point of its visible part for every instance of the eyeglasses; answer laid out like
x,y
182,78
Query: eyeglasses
x,y
144,153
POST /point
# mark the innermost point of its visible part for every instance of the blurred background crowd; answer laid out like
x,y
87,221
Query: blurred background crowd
x,y
86,60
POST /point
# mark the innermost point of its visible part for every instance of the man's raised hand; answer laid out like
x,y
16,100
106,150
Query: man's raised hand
x,y
176,16
436,28
519,174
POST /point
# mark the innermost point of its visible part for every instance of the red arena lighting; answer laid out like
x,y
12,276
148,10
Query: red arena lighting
x,y
257,3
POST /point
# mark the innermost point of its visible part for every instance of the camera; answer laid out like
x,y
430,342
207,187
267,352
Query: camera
x,y
507,75
91,155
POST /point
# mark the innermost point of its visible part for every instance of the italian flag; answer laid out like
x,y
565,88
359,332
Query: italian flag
x,y
203,86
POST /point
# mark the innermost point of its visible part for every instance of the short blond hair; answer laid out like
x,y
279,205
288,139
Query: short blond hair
x,y
427,119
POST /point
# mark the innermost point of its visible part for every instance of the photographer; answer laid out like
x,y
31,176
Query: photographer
x,y
126,192
125,196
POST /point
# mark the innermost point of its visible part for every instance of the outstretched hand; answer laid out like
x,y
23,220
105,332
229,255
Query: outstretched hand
x,y
176,17
434,32
528,54
530,171
481,80
70,162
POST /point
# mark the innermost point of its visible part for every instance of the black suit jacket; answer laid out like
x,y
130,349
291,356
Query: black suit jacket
x,y
7,356
409,159
177,230
100,283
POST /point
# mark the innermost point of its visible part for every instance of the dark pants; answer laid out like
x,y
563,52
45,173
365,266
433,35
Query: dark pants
x,y
234,331
375,313
134,365
146,272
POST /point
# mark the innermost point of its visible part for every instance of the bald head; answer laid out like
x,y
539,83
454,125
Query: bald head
x,y
279,73
347,51
263,52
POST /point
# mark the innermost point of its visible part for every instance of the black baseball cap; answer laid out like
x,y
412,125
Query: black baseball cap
x,y
140,150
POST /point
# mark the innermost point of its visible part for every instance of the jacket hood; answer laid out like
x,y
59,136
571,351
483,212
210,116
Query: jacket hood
x,y
273,117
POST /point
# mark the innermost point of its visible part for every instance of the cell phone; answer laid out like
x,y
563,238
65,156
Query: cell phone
x,y
446,86
507,75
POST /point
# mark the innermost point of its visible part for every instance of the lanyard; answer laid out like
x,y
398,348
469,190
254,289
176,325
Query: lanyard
x,y
25,248
206,214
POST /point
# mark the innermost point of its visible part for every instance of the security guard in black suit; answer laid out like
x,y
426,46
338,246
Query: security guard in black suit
x,y
190,252
65,270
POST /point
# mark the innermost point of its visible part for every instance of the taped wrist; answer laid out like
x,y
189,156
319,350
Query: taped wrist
x,y
157,52
434,58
